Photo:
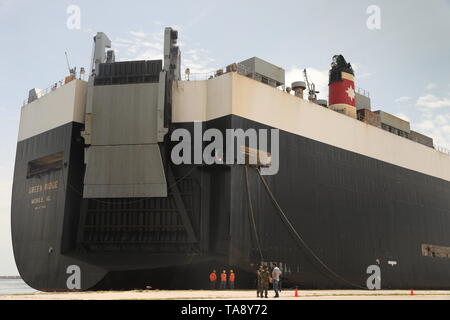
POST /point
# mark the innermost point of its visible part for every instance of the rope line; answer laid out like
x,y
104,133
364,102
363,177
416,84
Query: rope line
x,y
297,235
252,216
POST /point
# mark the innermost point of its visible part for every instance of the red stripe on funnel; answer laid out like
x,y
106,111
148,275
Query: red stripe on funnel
x,y
342,92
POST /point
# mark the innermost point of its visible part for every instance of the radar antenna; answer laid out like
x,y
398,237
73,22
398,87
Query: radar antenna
x,y
312,93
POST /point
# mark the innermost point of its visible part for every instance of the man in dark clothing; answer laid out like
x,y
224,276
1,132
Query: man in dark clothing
x,y
265,282
259,281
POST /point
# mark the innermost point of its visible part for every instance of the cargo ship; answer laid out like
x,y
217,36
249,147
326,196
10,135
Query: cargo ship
x,y
112,189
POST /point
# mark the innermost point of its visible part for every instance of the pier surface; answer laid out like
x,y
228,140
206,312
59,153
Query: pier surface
x,y
233,295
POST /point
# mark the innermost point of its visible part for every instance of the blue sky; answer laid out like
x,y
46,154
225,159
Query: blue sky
x,y
405,65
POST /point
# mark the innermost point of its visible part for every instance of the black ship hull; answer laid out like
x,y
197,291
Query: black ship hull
x,y
349,212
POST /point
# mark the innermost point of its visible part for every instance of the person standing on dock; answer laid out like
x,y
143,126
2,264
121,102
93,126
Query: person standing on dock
x,y
223,280
259,281
231,279
276,273
212,280
265,282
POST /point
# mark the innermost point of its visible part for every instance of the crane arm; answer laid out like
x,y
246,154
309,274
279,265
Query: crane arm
x,y
67,60
306,80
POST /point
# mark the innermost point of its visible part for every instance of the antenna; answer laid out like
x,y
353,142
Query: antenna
x,y
71,71
67,60
312,93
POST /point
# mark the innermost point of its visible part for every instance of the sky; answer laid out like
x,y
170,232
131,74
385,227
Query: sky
x,y
400,52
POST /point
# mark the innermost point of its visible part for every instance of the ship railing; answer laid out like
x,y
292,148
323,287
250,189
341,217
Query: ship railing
x,y
43,92
442,149
362,91
234,67
362,118
199,76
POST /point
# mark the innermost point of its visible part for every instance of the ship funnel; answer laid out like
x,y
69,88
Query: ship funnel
x,y
341,87
298,88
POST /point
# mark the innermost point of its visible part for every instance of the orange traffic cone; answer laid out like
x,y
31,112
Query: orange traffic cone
x,y
412,292
296,292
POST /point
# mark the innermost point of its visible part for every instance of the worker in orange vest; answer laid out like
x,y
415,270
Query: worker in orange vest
x,y
212,280
231,279
223,280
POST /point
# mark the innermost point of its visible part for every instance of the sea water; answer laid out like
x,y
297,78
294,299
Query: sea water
x,y
14,286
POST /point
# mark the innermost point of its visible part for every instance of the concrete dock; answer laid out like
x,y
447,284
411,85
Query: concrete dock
x,y
234,295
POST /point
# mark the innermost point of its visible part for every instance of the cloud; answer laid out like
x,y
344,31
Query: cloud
x,y
140,45
430,86
436,118
318,77
359,71
430,101
402,99
436,126
138,34
403,116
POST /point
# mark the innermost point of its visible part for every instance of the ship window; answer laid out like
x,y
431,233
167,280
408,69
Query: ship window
x,y
45,164
434,251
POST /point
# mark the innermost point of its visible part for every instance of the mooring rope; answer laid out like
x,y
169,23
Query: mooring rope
x,y
252,216
298,238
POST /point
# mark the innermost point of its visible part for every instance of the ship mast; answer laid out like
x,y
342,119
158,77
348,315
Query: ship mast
x,y
72,71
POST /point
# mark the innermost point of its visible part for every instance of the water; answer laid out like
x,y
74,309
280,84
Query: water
x,y
14,286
